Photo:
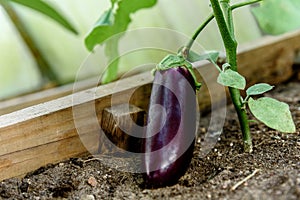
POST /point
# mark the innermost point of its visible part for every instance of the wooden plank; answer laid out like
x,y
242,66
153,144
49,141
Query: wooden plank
x,y
74,119
21,162
54,120
24,101
270,59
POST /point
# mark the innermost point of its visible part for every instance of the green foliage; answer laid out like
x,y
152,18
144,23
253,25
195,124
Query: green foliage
x,y
258,89
278,16
111,23
232,79
46,9
114,23
273,113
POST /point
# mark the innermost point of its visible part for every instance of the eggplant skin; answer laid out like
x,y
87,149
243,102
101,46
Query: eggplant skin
x,y
169,137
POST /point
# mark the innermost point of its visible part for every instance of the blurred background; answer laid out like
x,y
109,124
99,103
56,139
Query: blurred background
x,y
65,51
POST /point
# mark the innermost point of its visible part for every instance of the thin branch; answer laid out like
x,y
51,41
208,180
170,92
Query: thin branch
x,y
244,180
238,5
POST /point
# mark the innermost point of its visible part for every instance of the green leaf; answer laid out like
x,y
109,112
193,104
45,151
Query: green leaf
x,y
102,31
273,113
46,9
210,55
112,23
121,20
278,16
232,78
259,89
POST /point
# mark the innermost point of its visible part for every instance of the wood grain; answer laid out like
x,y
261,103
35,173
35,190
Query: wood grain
x,y
119,120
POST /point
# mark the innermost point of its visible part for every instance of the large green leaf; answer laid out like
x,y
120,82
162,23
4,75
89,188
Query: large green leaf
x,y
120,21
278,16
47,10
273,113
232,78
110,24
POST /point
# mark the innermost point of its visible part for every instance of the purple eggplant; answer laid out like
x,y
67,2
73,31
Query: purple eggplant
x,y
170,134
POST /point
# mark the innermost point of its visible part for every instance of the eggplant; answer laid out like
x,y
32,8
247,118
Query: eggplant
x,y
169,137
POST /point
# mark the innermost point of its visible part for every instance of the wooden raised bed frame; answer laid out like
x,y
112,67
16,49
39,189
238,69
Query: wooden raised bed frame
x,y
38,129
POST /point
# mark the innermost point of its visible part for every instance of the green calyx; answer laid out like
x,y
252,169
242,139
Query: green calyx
x,y
172,61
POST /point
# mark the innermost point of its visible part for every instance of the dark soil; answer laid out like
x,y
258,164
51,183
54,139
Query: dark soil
x,y
273,169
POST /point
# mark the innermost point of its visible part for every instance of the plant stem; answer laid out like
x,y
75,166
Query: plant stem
x,y
243,119
112,52
226,30
211,17
44,67
227,12
241,4
198,31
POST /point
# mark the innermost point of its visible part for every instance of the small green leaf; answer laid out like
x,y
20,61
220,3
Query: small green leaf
x,y
273,113
210,55
278,16
46,9
258,89
232,78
